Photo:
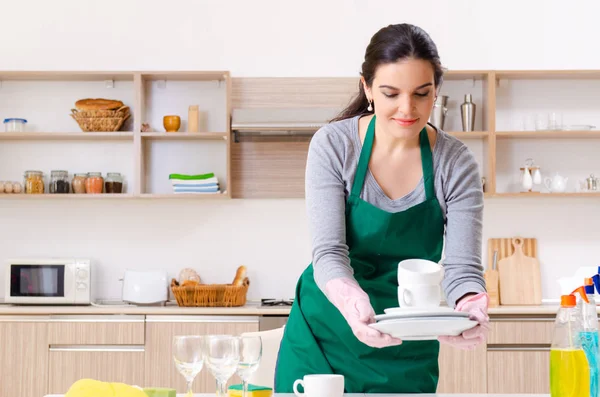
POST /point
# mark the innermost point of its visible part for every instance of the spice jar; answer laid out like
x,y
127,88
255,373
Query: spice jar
x,y
59,182
78,183
113,183
94,183
34,182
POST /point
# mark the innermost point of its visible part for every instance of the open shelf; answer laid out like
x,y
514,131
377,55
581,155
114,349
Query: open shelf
x,y
209,136
69,196
65,136
470,134
187,196
554,134
544,195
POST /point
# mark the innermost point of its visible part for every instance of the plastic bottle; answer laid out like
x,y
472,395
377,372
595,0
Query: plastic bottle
x,y
569,370
588,336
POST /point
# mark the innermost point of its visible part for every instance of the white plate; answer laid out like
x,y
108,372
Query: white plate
x,y
400,312
424,328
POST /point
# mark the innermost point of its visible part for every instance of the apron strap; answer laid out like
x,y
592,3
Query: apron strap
x,y
365,156
427,164
363,161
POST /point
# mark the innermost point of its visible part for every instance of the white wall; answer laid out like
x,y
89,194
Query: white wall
x,y
275,38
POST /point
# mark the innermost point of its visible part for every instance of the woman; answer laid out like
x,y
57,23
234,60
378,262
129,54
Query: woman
x,y
382,186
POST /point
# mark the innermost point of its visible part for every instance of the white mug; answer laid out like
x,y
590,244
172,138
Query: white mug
x,y
324,385
419,295
419,271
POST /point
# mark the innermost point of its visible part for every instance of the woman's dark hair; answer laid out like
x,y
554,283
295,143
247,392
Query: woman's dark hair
x,y
389,45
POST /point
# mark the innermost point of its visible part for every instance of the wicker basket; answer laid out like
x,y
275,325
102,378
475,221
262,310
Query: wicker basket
x,y
101,120
210,295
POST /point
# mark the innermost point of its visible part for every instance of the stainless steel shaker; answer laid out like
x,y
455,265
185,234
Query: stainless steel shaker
x,y
438,114
467,113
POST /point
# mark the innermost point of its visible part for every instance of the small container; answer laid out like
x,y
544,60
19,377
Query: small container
x,y
78,183
14,125
94,183
59,182
113,183
34,182
591,183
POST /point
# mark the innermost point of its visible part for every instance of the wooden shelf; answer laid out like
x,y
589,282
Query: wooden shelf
x,y
188,196
210,136
217,75
69,196
548,134
548,74
65,136
543,195
470,135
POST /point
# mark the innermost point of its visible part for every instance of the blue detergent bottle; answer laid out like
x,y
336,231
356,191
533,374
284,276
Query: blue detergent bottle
x,y
588,336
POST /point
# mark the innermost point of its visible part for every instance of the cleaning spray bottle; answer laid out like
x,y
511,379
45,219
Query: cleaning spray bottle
x,y
588,335
569,369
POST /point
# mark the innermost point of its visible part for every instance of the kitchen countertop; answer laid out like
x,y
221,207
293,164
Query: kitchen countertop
x,y
378,395
252,308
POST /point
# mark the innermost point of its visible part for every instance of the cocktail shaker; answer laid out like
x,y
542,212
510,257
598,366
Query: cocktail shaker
x,y
438,114
467,113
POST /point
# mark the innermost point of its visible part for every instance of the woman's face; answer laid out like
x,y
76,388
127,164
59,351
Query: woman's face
x,y
403,95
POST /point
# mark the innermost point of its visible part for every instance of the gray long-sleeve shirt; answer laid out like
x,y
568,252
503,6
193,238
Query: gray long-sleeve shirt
x,y
331,164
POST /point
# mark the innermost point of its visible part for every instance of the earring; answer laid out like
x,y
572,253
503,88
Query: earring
x,y
370,108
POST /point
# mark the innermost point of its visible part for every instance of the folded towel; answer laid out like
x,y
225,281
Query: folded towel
x,y
191,177
209,181
196,190
196,185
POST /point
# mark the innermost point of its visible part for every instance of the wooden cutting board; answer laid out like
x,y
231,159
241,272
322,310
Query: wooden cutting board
x,y
518,270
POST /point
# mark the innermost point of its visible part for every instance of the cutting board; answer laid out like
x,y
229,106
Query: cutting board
x,y
518,270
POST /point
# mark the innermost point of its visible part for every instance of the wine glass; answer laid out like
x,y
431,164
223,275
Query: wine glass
x,y
222,355
188,354
250,355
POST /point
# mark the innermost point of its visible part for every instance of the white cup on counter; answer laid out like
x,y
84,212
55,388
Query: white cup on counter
x,y
320,385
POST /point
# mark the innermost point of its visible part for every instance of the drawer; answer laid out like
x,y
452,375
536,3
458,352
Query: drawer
x,y
521,332
96,330
518,370
68,364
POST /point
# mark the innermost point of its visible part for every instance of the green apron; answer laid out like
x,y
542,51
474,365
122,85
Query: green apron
x,y
317,338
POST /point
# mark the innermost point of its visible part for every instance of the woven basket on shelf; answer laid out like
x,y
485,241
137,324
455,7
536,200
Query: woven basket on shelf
x,y
210,295
101,120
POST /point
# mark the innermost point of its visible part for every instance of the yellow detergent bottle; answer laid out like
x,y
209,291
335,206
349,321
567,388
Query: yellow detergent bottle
x,y
569,370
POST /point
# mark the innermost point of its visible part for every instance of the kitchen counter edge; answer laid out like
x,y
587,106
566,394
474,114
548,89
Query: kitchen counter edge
x,y
256,310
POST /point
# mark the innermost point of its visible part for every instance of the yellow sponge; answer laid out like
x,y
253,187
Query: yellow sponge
x,y
96,388
253,391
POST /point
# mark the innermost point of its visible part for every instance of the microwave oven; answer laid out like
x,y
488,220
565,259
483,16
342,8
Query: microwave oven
x,y
48,282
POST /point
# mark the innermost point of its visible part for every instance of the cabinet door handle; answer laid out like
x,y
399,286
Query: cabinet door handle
x,y
517,348
98,348
202,319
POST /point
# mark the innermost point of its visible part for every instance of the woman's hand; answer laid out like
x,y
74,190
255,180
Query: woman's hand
x,y
355,306
477,307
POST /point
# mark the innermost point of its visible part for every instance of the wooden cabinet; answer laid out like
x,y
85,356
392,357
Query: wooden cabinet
x,y
109,364
109,348
23,356
160,330
518,355
462,371
518,370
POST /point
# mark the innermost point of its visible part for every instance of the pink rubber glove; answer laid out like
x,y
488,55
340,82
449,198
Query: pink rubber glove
x,y
477,307
355,306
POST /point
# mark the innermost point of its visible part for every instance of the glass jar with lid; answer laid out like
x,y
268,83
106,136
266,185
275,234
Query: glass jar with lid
x,y
94,183
113,183
33,181
59,182
78,183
